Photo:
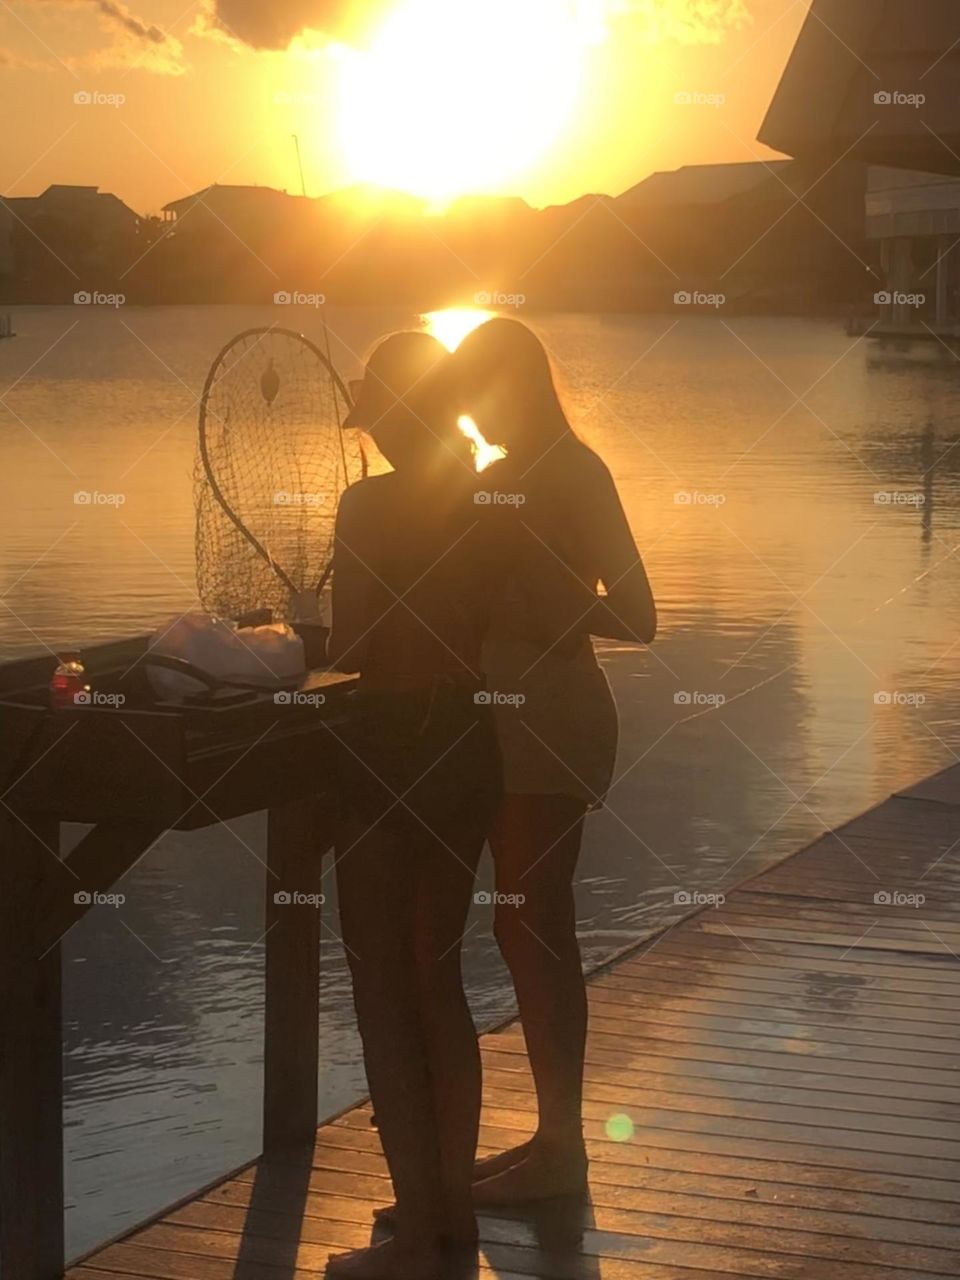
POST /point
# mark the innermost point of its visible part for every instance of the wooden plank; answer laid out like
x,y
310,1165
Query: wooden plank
x,y
643,1084
354,1197
794,1100
291,1059
770,1006
721,1135
753,983
31,1057
701,946
640,1008
610,1051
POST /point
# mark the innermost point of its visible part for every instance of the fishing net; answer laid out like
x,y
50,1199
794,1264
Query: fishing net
x,y
272,462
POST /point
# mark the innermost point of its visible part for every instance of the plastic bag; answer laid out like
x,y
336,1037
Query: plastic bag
x,y
250,655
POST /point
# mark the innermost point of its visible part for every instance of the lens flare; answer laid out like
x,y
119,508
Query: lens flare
x,y
450,327
619,1128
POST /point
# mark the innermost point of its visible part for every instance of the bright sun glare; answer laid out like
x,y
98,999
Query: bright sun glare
x,y
449,98
450,327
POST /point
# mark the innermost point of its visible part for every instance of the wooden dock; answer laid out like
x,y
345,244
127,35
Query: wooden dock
x,y
773,1090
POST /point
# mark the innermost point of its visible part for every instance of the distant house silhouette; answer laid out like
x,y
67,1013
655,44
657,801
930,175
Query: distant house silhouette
x,y
7,258
245,210
69,236
703,184
885,78
874,80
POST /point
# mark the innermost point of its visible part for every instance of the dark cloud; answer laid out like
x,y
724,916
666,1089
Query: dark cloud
x,y
272,24
129,22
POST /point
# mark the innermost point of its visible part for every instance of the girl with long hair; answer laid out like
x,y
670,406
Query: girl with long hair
x,y
555,716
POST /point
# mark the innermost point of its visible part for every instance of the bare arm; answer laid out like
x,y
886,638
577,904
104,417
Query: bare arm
x,y
567,608
627,610
356,607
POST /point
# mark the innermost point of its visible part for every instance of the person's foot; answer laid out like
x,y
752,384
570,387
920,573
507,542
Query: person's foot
x,y
388,1261
456,1232
545,1173
490,1166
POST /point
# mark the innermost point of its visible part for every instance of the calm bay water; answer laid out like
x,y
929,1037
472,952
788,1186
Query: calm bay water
x,y
750,455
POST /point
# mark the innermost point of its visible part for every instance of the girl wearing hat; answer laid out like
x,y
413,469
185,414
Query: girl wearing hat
x,y
420,782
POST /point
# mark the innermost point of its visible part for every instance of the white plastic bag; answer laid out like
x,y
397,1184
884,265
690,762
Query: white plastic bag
x,y
252,655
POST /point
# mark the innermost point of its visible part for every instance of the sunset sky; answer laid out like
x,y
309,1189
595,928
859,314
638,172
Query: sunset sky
x,y
547,99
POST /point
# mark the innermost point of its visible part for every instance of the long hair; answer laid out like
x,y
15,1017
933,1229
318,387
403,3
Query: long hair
x,y
504,377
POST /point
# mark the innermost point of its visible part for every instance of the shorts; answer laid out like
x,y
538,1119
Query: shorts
x,y
425,759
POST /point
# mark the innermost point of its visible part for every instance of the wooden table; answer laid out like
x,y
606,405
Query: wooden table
x,y
134,767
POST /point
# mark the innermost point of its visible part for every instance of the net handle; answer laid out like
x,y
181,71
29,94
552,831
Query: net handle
x,y
211,379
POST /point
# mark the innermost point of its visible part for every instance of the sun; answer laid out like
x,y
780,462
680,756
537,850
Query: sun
x,y
449,98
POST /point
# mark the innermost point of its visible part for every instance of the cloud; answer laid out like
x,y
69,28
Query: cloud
x,y
684,21
136,43
128,22
275,24
700,21
11,61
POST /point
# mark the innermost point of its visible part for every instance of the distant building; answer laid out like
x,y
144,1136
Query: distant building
x,y
874,80
7,260
915,218
884,76
703,184
68,235
243,210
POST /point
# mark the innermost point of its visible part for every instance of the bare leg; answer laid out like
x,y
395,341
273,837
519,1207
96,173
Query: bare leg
x,y
447,872
536,843
377,882
446,879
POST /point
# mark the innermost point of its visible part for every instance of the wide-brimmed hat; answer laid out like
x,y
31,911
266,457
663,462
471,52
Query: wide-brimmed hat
x,y
397,371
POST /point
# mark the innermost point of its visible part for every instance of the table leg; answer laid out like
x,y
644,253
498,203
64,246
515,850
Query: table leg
x,y
296,842
31,1056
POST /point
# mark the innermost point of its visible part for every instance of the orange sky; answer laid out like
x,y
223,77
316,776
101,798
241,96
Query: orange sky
x,y
596,112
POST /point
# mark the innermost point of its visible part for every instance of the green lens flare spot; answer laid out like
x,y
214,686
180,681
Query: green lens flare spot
x,y
619,1128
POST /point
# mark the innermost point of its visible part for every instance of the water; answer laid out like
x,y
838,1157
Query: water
x,y
784,586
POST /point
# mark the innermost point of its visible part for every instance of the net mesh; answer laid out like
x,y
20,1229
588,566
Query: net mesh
x,y
270,447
